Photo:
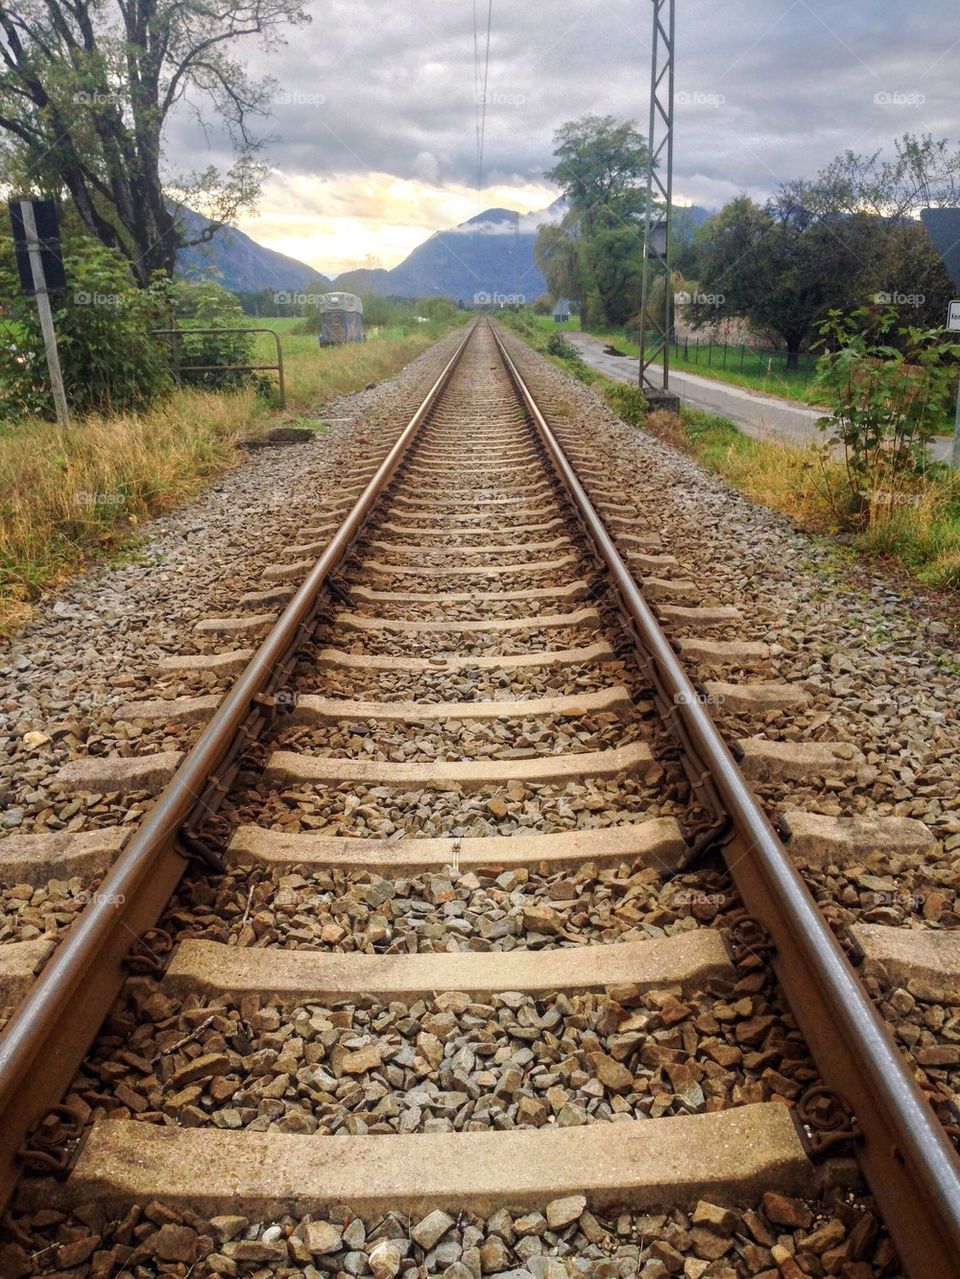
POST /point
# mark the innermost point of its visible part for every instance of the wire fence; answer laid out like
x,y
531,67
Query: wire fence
x,y
748,360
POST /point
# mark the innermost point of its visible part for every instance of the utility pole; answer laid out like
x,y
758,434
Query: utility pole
x,y
656,238
943,227
34,255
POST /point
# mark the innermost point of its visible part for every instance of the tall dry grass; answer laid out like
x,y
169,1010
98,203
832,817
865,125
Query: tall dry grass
x,y
915,524
315,375
69,496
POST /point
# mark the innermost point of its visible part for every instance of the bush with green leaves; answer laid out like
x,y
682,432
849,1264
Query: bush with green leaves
x,y
558,345
890,389
628,403
204,304
103,325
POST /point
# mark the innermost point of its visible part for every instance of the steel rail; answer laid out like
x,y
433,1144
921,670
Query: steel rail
x,y
52,1028
910,1165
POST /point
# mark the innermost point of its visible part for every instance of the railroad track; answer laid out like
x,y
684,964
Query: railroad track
x,y
472,878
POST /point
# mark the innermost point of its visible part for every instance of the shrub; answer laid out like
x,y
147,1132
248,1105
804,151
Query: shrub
x,y
206,305
628,403
558,345
103,323
889,389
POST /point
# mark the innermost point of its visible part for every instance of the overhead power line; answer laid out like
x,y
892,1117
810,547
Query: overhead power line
x,y
480,80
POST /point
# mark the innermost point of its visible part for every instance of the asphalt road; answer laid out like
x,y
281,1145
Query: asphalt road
x,y
764,417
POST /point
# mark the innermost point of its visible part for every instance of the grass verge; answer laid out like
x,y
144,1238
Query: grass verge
x,y
71,496
919,533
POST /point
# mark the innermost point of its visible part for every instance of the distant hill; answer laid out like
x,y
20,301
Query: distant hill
x,y
687,219
365,280
488,255
240,264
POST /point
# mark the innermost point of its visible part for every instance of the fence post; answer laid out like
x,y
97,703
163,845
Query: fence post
x,y
743,352
280,377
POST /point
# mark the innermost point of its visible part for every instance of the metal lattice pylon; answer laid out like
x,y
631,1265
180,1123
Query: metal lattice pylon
x,y
656,239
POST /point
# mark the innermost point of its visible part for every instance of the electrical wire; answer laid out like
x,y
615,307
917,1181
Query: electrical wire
x,y
480,84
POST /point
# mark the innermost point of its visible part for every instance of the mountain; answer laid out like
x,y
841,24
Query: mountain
x,y
687,218
488,256
240,264
365,279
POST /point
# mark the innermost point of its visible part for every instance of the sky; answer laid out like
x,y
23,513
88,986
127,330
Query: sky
x,y
373,129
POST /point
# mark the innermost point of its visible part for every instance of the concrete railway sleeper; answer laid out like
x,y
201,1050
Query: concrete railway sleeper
x,y
456,930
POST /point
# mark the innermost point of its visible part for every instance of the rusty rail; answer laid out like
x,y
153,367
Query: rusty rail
x,y
910,1165
51,1030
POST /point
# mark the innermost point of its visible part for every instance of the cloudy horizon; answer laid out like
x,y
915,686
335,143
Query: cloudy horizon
x,y
373,129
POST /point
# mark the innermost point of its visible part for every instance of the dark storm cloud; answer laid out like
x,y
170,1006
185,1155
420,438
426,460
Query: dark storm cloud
x,y
767,89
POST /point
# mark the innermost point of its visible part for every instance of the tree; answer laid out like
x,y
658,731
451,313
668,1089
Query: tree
x,y
595,253
110,360
87,88
555,253
600,163
888,193
834,242
754,262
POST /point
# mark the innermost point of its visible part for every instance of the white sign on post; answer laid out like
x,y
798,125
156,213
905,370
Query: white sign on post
x,y
953,316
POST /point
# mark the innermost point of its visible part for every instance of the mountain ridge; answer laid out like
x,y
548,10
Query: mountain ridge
x,y
238,262
487,258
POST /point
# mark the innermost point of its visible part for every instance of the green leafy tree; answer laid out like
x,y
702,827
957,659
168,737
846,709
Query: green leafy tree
x,y
595,254
87,88
600,165
781,267
556,253
833,242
